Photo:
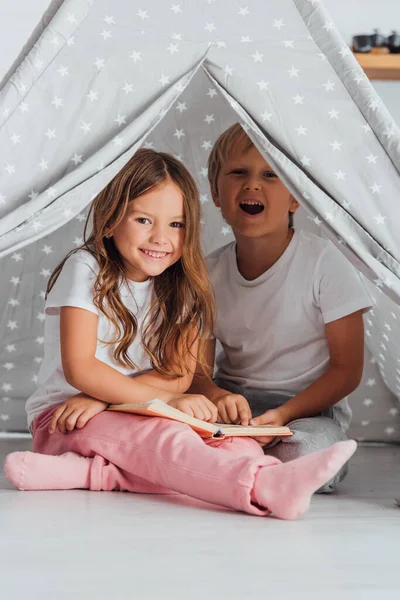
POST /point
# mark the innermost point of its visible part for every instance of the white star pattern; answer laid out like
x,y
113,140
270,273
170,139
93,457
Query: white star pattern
x,y
293,72
164,80
375,188
16,139
336,145
92,95
10,169
211,92
8,366
257,57
266,116
298,99
278,24
58,103
63,70
301,130
244,11
142,14
371,159
85,127
99,63
105,34
209,119
51,134
359,78
329,85
77,159
333,114
172,48
263,85
136,56
176,9
179,133
128,87
210,27
121,120
226,230
109,20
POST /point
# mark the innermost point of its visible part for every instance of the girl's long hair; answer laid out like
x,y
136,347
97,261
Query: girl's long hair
x,y
182,310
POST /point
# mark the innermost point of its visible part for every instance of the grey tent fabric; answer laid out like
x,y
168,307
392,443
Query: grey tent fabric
x,y
107,77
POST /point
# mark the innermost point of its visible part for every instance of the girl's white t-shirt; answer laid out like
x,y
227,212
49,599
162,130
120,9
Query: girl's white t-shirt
x,y
74,287
272,329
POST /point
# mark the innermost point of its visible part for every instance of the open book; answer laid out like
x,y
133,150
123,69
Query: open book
x,y
158,408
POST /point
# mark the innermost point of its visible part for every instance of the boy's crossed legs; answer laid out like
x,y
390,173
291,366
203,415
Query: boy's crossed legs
x,y
310,434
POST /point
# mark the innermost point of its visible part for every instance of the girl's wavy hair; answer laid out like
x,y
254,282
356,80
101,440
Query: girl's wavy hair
x,y
182,309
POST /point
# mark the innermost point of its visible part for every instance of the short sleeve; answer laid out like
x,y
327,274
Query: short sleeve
x,y
339,287
74,285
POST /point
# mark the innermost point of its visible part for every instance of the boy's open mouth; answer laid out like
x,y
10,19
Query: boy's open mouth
x,y
251,207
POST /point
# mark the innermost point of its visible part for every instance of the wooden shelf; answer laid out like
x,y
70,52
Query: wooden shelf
x,y
380,66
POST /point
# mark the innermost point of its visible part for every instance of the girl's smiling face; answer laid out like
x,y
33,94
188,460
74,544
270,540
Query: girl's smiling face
x,y
150,236
252,198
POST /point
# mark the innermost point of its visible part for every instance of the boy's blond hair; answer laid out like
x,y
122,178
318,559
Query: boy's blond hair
x,y
221,150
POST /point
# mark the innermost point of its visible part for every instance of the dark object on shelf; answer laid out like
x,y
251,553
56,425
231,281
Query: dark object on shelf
x,y
362,43
378,40
393,42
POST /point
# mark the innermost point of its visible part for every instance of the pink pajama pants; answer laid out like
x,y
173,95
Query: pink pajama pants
x,y
156,455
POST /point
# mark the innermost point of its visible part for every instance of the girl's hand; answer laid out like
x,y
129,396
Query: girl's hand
x,y
232,408
196,406
270,417
75,413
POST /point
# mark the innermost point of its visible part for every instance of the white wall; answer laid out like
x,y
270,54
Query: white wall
x,y
18,18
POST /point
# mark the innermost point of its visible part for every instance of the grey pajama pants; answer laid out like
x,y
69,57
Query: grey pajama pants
x,y
309,434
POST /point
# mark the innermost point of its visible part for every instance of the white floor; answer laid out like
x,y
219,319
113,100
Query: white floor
x,y
82,545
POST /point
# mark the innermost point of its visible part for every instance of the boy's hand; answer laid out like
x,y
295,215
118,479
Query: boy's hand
x,y
75,413
195,405
270,417
232,408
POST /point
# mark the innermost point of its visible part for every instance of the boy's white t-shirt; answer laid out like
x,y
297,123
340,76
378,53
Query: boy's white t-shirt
x,y
272,329
74,287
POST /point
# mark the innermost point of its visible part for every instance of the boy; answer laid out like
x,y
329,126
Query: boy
x,y
289,312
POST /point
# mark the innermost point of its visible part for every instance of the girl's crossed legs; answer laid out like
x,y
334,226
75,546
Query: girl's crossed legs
x,y
155,455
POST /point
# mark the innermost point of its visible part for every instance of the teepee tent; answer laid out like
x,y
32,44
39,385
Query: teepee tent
x,y
100,79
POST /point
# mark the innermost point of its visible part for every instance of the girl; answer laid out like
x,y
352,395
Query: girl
x,y
127,315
